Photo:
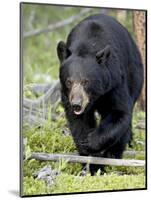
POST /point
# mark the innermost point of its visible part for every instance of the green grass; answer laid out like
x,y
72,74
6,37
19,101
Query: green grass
x,y
50,139
66,183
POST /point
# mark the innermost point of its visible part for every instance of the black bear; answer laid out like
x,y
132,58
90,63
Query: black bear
x,y
100,70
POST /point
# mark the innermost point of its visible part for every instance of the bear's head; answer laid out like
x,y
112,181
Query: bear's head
x,y
84,79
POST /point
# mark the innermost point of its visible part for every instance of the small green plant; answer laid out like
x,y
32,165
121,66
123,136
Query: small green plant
x,y
50,139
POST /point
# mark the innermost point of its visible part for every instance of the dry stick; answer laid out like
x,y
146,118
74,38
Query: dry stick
x,y
87,159
48,96
39,88
36,111
56,25
129,153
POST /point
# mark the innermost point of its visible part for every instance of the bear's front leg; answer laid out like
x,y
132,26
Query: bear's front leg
x,y
109,131
80,128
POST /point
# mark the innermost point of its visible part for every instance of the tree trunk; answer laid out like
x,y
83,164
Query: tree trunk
x,y
139,21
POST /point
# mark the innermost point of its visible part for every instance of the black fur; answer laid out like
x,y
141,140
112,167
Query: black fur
x,y
101,50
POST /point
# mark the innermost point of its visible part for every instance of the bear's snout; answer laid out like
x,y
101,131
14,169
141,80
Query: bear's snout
x,y
78,98
76,107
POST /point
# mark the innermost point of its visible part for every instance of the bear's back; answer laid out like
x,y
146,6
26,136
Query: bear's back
x,y
95,32
98,30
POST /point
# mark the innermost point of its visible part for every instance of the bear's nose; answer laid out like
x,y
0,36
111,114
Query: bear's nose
x,y
76,105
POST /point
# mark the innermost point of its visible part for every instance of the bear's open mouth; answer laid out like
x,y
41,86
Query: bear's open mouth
x,y
78,110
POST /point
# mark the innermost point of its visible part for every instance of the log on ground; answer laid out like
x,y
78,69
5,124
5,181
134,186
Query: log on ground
x,y
87,159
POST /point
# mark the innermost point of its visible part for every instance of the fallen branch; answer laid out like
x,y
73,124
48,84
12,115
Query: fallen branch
x,y
40,88
129,153
51,96
56,25
35,112
87,159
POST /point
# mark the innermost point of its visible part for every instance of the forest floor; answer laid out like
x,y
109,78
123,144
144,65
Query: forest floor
x,y
51,138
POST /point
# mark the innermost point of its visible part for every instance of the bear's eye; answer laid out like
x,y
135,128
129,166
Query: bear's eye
x,y
85,82
68,83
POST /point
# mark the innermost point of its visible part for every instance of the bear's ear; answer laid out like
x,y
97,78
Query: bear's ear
x,y
62,51
103,54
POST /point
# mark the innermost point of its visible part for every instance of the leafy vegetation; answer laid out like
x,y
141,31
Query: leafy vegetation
x,y
72,184
50,138
41,66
